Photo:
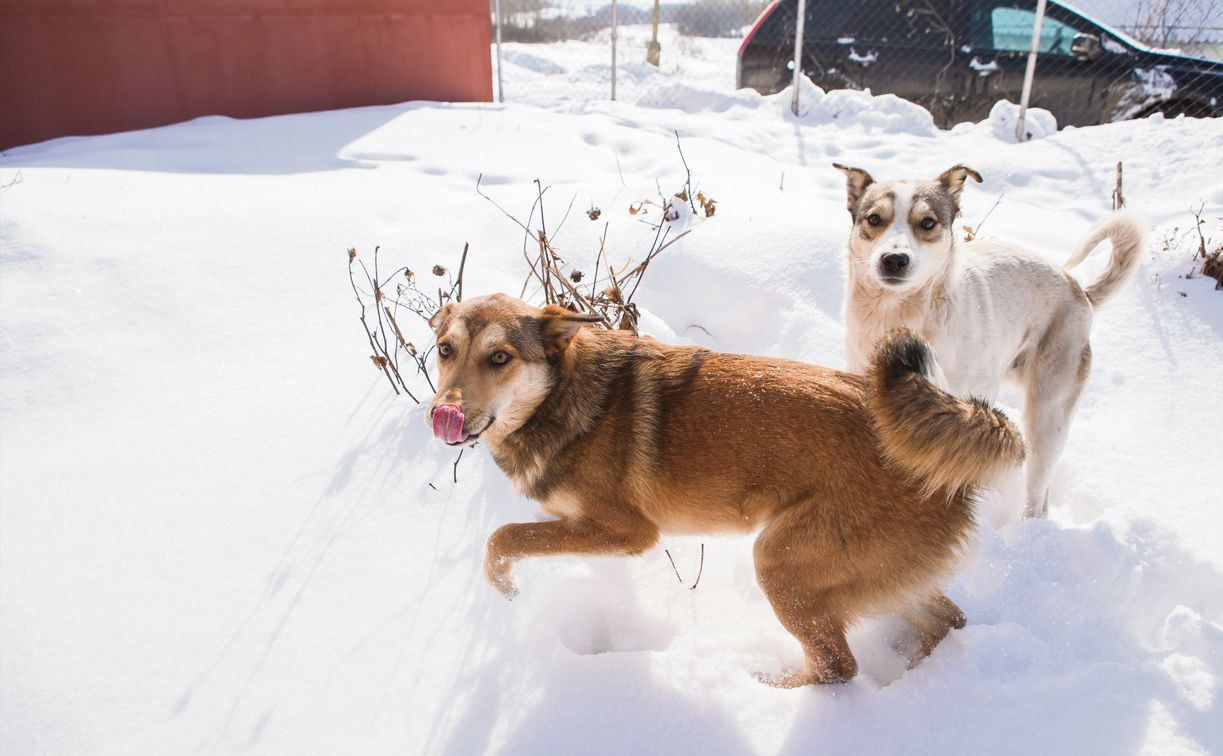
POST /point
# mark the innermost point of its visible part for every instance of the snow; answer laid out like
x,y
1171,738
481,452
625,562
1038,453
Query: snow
x,y
1003,117
220,531
870,57
983,69
1150,85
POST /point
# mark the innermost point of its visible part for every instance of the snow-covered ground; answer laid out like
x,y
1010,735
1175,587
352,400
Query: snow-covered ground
x,y
219,530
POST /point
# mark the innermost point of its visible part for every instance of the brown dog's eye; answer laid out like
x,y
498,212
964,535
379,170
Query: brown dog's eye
x,y
443,350
499,358
928,223
873,219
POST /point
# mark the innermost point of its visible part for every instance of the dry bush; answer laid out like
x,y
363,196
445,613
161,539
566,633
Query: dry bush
x,y
1206,246
549,279
1212,259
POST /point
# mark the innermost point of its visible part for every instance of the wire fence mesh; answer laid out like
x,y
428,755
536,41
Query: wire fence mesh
x,y
1099,60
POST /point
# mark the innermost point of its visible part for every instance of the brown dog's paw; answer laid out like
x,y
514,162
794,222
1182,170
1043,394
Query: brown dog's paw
x,y
784,680
507,587
497,572
799,678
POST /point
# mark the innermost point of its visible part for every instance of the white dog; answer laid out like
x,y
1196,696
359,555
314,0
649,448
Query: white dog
x,y
994,312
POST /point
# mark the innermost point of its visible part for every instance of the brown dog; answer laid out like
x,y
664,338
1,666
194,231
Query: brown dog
x,y
862,486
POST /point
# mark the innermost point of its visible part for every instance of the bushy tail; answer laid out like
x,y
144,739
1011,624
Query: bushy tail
x,y
1128,234
944,441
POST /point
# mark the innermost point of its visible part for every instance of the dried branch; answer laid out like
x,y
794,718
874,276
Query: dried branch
x,y
700,571
462,267
673,567
688,172
373,344
969,232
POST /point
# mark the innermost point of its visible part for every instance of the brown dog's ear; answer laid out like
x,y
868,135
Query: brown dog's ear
x,y
558,326
856,181
952,179
439,317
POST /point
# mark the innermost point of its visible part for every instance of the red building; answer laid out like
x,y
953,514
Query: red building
x,y
75,67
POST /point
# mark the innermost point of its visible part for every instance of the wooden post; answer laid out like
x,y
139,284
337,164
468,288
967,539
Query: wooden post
x,y
652,48
1029,74
798,55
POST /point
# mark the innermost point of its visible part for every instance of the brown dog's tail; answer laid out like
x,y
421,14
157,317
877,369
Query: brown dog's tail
x,y
1128,234
946,442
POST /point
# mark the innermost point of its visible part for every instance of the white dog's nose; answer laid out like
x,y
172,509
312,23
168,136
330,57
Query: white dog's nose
x,y
894,263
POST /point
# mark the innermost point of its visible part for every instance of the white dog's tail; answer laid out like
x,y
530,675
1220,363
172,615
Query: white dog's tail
x,y
1128,235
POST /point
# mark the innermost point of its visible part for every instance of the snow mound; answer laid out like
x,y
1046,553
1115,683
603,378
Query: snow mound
x,y
845,107
533,63
1003,117
692,99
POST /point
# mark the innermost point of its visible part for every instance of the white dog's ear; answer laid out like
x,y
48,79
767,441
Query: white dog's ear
x,y
952,179
558,326
439,317
856,181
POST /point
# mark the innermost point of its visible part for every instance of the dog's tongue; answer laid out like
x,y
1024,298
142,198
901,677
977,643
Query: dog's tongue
x,y
448,423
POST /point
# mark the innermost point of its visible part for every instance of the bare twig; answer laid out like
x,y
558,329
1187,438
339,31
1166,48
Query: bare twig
x,y
639,271
1197,226
1118,197
410,349
700,571
454,469
969,232
594,280
673,567
373,344
688,180
499,207
462,266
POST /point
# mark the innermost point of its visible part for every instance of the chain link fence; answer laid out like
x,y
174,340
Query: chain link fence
x,y
557,51
1098,60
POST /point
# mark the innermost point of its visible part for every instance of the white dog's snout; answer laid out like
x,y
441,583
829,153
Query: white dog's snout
x,y
894,243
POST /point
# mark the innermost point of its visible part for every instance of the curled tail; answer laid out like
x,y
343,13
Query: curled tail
x,y
946,442
1128,235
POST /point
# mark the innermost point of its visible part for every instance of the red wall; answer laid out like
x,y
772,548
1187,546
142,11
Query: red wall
x,y
70,67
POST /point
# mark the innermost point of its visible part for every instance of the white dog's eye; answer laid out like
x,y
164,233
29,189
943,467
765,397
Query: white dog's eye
x,y
928,223
874,219
500,358
443,350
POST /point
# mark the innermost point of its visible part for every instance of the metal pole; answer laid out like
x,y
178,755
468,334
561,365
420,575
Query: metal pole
x,y
500,86
798,53
1030,73
613,83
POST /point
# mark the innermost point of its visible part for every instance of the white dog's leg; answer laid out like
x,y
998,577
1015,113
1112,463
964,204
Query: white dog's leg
x,y
1054,383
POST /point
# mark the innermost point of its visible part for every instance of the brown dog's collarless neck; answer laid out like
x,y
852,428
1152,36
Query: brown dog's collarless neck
x,y
563,417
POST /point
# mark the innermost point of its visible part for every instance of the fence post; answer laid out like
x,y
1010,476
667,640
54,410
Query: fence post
x,y
613,81
1030,73
500,85
798,53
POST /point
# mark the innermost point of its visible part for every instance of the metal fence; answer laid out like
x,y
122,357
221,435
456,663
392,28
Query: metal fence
x,y
955,57
556,51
